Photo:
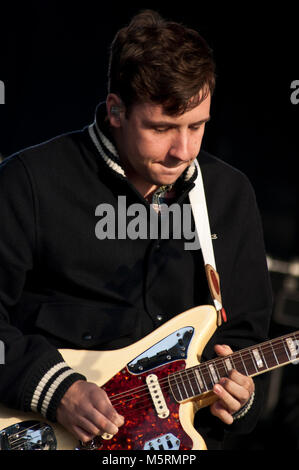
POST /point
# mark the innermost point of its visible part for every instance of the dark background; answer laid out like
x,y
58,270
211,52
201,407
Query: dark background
x,y
53,61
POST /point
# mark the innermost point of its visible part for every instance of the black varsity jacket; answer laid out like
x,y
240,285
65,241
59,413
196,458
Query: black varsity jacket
x,y
61,286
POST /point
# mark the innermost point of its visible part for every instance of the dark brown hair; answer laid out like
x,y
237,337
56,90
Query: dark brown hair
x,y
162,62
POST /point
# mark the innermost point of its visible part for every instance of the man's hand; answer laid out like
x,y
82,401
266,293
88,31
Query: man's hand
x,y
233,392
86,411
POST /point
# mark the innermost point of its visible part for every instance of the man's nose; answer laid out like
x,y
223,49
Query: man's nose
x,y
180,146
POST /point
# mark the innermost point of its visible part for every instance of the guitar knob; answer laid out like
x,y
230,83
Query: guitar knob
x,y
106,436
90,445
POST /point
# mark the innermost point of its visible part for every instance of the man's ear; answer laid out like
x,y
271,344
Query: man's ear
x,y
115,109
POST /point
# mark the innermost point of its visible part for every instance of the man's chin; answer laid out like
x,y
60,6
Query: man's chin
x,y
168,177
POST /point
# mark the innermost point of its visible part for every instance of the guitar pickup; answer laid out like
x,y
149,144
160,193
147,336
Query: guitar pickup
x,y
157,396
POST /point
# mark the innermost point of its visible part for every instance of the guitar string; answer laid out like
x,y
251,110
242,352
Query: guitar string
x,y
128,393
217,362
24,431
186,372
145,405
148,404
127,414
209,381
242,355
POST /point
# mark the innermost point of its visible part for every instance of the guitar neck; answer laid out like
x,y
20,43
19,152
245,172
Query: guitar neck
x,y
250,361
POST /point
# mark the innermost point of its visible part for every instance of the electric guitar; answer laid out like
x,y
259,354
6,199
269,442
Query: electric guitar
x,y
157,384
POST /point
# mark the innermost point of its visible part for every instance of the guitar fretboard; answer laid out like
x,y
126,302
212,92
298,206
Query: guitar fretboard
x,y
251,361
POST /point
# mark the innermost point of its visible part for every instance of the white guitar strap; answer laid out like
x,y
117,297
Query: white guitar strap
x,y
201,218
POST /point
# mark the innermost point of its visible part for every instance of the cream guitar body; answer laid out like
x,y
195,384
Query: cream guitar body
x,y
157,384
174,346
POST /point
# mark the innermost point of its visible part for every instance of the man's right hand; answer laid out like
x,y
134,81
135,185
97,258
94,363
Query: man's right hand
x,y
86,411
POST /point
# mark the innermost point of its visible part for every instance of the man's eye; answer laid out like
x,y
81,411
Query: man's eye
x,y
160,130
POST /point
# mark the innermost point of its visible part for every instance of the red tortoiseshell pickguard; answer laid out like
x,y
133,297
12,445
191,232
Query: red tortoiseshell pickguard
x,y
142,423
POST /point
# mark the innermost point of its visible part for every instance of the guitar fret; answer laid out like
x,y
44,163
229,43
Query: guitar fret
x,y
245,369
269,356
221,365
213,372
274,352
199,380
233,364
195,386
183,384
286,350
265,362
249,362
258,358
228,364
280,352
203,377
208,378
180,398
188,385
293,348
253,359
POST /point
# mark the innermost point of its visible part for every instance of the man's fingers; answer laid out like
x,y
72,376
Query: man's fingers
x,y
81,434
103,423
233,391
117,419
238,385
243,381
223,350
219,410
229,401
86,411
102,404
93,424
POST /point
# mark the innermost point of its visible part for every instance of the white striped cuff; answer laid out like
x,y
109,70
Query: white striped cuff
x,y
48,385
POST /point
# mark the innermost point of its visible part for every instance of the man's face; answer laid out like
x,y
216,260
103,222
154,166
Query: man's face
x,y
156,148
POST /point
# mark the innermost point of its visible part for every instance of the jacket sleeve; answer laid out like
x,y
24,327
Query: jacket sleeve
x,y
246,291
34,376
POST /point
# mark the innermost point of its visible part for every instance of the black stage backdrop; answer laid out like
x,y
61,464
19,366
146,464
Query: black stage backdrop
x,y
53,65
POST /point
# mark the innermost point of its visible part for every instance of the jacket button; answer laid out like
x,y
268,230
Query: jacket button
x,y
159,317
86,336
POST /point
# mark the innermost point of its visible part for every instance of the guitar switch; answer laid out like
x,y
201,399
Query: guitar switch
x,y
165,442
172,348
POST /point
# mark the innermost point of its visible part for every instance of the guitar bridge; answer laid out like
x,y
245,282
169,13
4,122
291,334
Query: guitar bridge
x,y
28,435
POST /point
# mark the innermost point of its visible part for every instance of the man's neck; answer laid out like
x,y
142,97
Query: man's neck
x,y
145,188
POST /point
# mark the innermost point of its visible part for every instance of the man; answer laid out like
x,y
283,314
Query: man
x,y
63,285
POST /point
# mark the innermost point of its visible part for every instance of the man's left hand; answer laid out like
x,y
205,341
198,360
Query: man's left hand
x,y
233,391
